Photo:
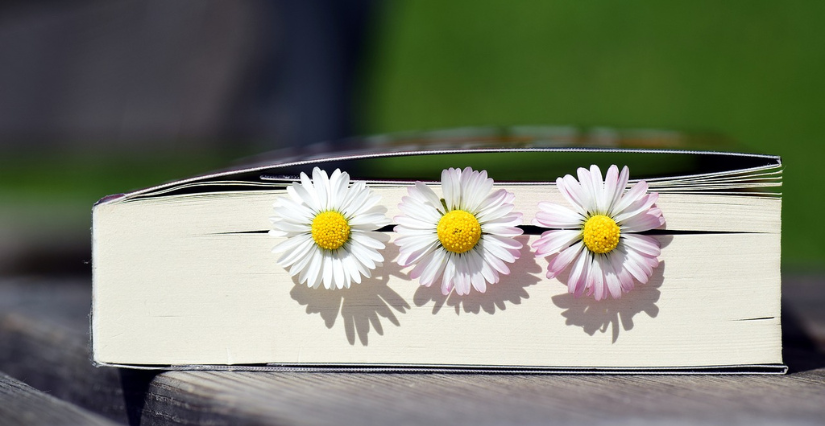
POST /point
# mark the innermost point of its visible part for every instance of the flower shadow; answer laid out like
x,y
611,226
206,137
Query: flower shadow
x,y
361,307
511,288
593,316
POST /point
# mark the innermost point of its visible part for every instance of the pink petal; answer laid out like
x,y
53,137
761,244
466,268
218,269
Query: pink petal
x,y
643,243
618,261
598,189
553,241
563,259
578,274
636,192
476,265
624,176
611,182
572,191
610,276
640,206
552,215
642,223
494,261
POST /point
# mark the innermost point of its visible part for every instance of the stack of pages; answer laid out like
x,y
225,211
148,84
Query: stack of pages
x,y
185,275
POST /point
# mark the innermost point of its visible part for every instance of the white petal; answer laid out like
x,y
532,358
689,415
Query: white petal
x,y
618,260
598,189
479,186
414,223
300,265
372,239
366,255
577,281
315,266
597,276
494,213
451,187
306,192
425,195
560,261
553,241
290,243
643,244
421,212
552,215
449,275
635,193
308,187
611,186
289,257
476,264
413,251
587,188
645,222
611,277
640,206
291,227
503,231
487,271
295,213
351,270
337,269
368,219
494,261
462,275
493,200
501,248
321,182
436,262
572,191
512,219
635,265
624,176
337,192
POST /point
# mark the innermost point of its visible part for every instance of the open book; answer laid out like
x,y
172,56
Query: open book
x,y
185,277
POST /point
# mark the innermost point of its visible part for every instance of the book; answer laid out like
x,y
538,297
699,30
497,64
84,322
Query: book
x,y
184,275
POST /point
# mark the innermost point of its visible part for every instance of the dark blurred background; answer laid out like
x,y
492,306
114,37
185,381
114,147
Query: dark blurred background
x,y
100,97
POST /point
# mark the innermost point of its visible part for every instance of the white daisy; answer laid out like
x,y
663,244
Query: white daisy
x,y
464,239
331,230
598,237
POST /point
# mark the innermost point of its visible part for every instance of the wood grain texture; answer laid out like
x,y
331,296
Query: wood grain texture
x,y
52,351
21,404
44,342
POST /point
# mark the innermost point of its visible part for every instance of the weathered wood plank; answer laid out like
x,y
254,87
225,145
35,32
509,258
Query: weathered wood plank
x,y
44,341
51,352
21,404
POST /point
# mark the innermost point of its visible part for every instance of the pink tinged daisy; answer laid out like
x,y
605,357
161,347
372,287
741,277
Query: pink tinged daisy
x,y
599,235
331,228
464,240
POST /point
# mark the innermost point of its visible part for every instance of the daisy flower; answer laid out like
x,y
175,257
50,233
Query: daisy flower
x,y
598,237
330,228
465,239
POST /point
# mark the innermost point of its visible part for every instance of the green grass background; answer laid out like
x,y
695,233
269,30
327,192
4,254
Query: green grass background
x,y
749,70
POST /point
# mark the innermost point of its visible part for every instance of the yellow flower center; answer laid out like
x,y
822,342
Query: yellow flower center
x,y
330,230
458,231
601,234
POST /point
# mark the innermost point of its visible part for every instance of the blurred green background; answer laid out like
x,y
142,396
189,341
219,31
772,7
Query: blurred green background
x,y
749,70
752,71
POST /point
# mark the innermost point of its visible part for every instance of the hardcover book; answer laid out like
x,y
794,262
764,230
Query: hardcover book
x,y
504,250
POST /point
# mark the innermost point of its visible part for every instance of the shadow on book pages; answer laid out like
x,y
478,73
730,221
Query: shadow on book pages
x,y
526,250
